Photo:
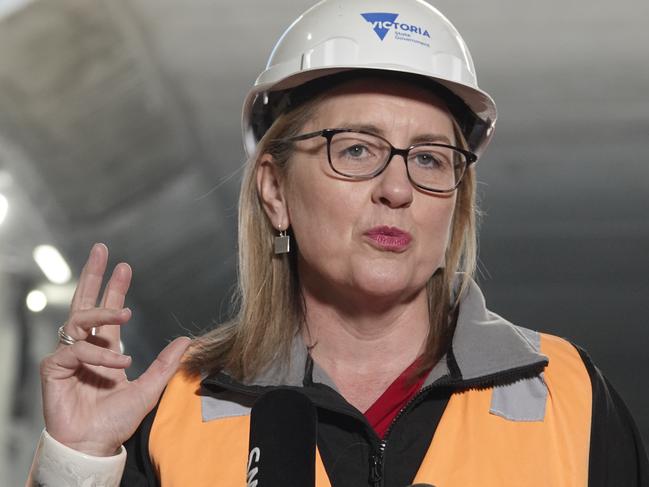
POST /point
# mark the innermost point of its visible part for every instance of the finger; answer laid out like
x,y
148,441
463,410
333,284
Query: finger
x,y
117,287
82,322
92,274
151,383
114,297
64,362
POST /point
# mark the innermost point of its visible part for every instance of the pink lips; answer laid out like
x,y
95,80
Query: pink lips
x,y
389,238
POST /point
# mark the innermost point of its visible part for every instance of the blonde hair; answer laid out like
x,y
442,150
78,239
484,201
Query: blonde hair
x,y
269,306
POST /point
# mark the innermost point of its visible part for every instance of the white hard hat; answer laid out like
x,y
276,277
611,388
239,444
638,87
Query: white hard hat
x,y
402,36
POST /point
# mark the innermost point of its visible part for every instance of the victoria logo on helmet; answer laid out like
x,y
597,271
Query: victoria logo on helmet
x,y
382,22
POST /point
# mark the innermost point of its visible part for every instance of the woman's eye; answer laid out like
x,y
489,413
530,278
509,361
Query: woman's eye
x,y
356,151
432,160
427,159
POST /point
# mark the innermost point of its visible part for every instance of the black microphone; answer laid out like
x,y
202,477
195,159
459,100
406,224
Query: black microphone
x,y
282,440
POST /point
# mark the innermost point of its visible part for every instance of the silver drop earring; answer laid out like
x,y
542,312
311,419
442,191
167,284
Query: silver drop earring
x,y
282,243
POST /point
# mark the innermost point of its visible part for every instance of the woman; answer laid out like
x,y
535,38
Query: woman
x,y
357,243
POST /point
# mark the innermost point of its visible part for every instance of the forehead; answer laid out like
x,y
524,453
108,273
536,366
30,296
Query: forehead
x,y
392,103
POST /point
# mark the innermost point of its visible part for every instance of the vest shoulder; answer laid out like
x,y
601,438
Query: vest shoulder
x,y
559,347
566,370
182,383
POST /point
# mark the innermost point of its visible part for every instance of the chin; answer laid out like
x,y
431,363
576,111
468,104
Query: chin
x,y
389,285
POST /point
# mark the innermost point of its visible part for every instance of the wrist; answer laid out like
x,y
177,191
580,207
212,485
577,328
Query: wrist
x,y
95,450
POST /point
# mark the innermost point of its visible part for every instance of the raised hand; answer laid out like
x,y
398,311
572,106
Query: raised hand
x,y
88,402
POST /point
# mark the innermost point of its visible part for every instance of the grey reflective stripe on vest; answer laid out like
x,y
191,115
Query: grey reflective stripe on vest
x,y
225,404
523,400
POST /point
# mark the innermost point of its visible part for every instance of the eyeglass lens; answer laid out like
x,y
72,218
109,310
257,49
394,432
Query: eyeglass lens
x,y
359,155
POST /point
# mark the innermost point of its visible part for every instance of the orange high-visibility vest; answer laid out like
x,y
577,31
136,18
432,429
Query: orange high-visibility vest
x,y
472,446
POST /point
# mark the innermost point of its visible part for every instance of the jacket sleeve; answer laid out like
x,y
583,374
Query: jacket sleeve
x,y
617,454
57,464
139,470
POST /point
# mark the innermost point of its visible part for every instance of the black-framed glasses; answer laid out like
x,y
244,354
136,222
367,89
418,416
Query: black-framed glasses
x,y
357,154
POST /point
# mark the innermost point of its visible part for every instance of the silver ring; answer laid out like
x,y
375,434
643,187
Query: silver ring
x,y
64,338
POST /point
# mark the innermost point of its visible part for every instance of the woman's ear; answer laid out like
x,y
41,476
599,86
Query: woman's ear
x,y
271,190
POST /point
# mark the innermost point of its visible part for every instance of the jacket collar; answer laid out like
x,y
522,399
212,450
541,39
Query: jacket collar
x,y
486,345
485,349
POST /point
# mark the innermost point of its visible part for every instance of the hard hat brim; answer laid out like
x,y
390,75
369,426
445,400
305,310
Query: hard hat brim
x,y
478,101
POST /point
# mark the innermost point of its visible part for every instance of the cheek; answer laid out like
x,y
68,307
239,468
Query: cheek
x,y
320,214
437,226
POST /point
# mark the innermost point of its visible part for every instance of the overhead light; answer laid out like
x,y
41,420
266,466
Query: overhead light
x,y
52,264
36,301
7,7
4,207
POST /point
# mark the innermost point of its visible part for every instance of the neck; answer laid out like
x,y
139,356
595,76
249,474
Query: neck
x,y
357,341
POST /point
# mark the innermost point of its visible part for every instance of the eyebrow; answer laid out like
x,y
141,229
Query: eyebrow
x,y
429,137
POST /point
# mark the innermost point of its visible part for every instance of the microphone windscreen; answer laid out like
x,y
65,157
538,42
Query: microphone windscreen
x,y
282,440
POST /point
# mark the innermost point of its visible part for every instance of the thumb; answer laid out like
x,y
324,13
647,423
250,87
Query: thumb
x,y
155,378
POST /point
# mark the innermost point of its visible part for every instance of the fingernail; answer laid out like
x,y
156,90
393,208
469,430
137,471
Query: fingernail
x,y
94,251
126,311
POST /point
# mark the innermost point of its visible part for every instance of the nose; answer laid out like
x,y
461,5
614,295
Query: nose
x,y
393,187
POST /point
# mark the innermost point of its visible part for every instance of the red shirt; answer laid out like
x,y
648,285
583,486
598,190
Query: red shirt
x,y
396,396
